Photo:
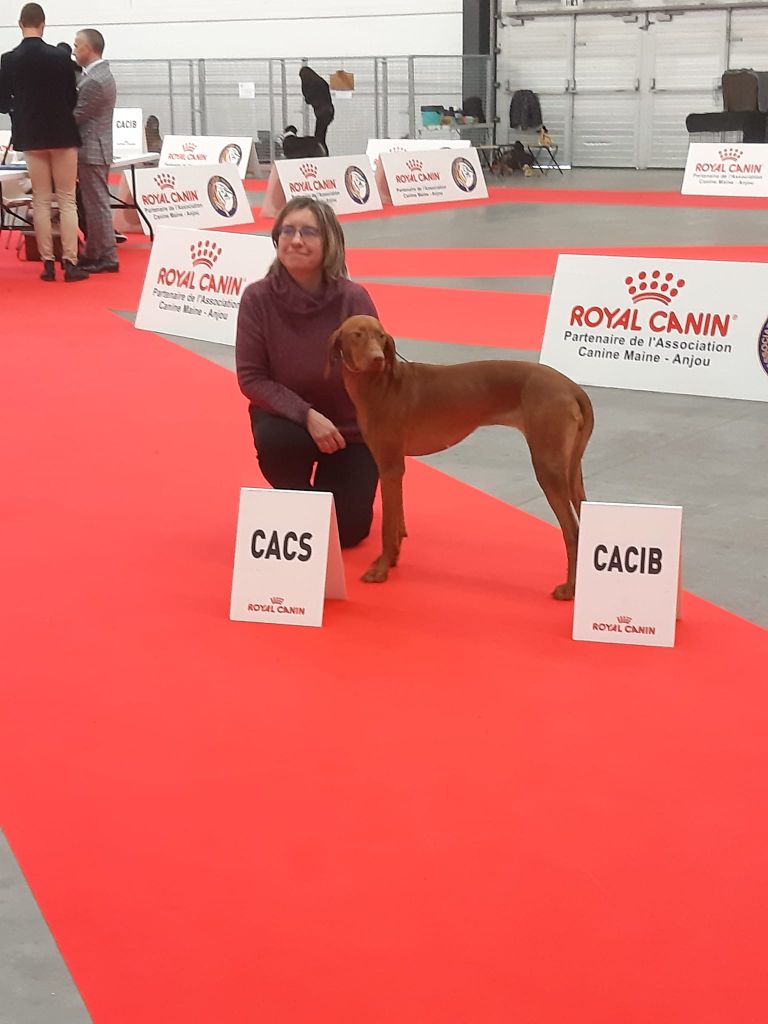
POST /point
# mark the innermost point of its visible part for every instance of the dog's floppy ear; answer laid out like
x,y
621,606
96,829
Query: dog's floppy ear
x,y
389,351
334,351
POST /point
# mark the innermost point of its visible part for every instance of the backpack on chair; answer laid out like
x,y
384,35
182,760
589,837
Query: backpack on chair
x,y
517,158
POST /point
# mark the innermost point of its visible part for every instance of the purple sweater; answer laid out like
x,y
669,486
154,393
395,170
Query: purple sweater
x,y
282,348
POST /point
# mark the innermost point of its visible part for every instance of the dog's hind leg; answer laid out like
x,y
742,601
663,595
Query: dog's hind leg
x,y
552,472
578,448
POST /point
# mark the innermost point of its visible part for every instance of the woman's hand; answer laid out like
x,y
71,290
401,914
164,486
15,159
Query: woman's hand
x,y
324,433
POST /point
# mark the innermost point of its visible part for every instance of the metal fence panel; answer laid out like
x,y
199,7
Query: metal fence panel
x,y
164,88
191,97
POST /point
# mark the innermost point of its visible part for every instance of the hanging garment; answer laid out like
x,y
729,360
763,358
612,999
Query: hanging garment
x,y
524,110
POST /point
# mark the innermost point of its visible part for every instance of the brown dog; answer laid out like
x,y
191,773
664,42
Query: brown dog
x,y
418,409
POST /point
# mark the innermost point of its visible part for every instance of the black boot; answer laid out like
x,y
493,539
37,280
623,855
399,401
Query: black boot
x,y
49,271
72,272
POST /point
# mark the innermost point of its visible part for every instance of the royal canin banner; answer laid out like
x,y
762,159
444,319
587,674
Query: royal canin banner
x,y
344,182
376,147
686,327
208,149
430,176
734,169
195,280
204,196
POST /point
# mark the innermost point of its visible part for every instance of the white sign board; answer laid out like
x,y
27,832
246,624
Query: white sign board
x,y
434,176
376,147
726,169
628,574
287,557
195,280
207,149
203,196
347,183
687,327
128,131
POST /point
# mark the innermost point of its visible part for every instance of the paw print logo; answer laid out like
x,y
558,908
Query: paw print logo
x,y
204,254
655,285
731,153
413,164
308,170
165,181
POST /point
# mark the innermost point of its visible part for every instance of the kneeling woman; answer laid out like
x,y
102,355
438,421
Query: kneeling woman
x,y
303,421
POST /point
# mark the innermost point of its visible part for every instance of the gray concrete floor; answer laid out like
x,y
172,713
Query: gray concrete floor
x,y
35,985
707,455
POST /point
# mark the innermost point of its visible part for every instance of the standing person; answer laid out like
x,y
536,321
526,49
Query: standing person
x,y
93,113
302,419
66,48
317,94
37,87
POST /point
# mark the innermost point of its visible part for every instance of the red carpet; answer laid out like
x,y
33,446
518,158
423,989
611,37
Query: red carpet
x,y
435,809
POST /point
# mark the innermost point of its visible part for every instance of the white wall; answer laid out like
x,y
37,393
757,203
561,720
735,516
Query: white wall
x,y
257,28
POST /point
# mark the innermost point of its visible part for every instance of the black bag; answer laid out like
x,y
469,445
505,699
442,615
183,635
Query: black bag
x,y
517,157
473,107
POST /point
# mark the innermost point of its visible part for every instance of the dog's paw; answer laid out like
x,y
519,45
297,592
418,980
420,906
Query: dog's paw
x,y
563,592
375,574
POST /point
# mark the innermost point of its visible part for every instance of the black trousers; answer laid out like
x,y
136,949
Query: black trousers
x,y
323,117
288,456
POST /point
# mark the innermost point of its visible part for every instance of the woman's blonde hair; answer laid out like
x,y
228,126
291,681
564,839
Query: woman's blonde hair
x,y
331,234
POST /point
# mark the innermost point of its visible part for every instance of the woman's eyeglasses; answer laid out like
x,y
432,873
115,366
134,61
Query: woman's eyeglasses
x,y
289,231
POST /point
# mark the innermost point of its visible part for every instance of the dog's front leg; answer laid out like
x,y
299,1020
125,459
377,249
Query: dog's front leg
x,y
393,525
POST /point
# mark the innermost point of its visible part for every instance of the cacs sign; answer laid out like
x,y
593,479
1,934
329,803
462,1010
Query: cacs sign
x,y
287,557
666,325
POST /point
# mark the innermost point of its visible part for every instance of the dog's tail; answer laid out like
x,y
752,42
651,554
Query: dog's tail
x,y
575,476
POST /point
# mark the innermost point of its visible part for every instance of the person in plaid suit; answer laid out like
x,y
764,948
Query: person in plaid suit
x,y
95,106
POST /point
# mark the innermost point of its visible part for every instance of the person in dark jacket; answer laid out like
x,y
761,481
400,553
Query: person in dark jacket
x,y
37,87
302,418
317,94
66,48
